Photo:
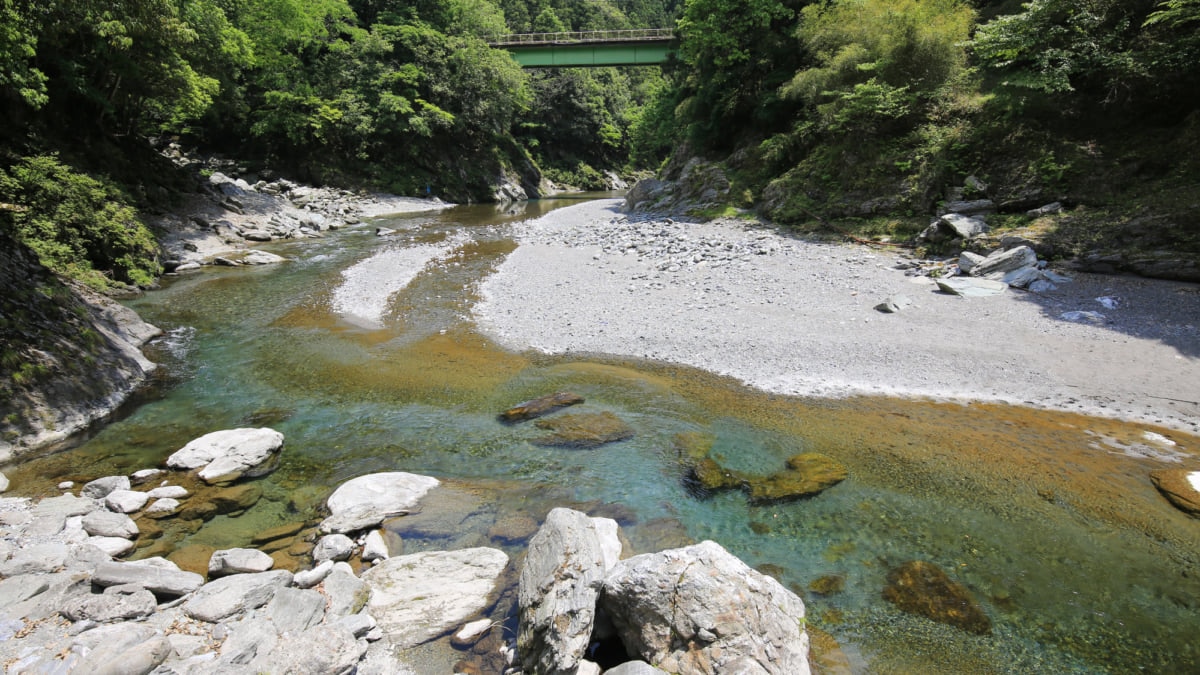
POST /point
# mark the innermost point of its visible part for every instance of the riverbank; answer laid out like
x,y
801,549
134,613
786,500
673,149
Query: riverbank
x,y
798,317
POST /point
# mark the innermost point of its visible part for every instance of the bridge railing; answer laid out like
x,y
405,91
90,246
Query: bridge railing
x,y
627,35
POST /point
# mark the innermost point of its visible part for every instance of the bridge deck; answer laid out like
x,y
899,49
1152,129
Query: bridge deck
x,y
583,37
636,47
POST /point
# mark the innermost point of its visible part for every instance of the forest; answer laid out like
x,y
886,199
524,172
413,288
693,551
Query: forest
x,y
850,109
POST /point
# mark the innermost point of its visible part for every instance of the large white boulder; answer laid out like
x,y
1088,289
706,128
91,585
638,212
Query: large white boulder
x,y
224,456
368,500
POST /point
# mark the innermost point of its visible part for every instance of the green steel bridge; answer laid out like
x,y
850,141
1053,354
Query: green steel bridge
x,y
637,47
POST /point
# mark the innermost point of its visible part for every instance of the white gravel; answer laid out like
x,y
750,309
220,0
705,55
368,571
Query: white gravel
x,y
797,317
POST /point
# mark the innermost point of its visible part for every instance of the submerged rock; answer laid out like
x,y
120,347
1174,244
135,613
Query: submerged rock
x,y
540,406
1181,487
586,430
922,588
711,476
807,474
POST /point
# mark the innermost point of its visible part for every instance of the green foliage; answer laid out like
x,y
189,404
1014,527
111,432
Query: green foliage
x,y
18,47
80,227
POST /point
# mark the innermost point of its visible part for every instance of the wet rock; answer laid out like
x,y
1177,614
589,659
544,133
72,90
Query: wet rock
x,y
416,598
232,595
922,588
256,235
807,474
586,430
825,655
1181,487
275,533
227,455
692,445
238,561
828,584
513,529
109,524
236,498
711,476
540,406
367,500
559,584
701,610
156,575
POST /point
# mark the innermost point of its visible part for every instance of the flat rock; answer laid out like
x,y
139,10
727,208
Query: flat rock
x,y
416,598
168,492
156,575
1181,487
114,546
238,561
970,287
295,609
540,406
116,603
235,594
584,430
162,508
962,225
224,456
922,588
701,610
367,500
1001,265
807,474
99,488
125,501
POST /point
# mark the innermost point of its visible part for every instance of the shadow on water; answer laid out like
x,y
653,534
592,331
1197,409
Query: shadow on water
x,y
1047,518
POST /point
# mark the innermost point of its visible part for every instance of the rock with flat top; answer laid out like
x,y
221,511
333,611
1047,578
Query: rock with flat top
x,y
540,406
367,500
238,561
109,524
125,501
156,574
227,455
232,595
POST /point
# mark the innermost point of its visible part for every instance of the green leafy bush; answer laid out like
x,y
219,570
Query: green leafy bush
x,y
79,226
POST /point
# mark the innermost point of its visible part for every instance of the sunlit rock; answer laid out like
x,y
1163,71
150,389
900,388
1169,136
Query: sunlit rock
x,y
1181,487
227,455
540,406
807,474
585,430
368,500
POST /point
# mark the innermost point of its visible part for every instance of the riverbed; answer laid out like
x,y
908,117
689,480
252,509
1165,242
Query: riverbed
x,y
396,353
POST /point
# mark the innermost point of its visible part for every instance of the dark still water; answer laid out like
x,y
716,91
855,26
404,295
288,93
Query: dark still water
x,y
361,351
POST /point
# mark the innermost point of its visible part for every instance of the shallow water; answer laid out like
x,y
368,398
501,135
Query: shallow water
x,y
1048,518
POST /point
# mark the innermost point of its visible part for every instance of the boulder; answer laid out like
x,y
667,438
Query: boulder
x,y
168,492
99,488
957,225
701,610
969,287
310,578
559,584
320,649
635,668
125,501
807,474
262,258
156,575
367,500
999,266
235,594
967,261
224,456
238,561
109,524
922,588
115,547
256,235
162,508
416,598
969,207
586,430
144,476
116,603
120,649
710,476
374,547
540,406
1181,487
234,499
346,593
295,609
333,547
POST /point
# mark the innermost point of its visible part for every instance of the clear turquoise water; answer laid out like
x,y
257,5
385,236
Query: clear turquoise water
x,y
1081,567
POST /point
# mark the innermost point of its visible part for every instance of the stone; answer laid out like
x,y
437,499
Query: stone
x,y
1085,317
144,476
235,594
116,603
419,597
970,207
3,483
99,488
559,584
235,498
109,524
294,609
275,533
115,547
224,456
36,559
969,287
967,261
1003,265
238,561
471,633
262,258
514,529
346,593
162,508
924,589
701,610
121,649
168,492
384,232
710,476
807,474
320,649
333,547
635,668
256,235
310,578
156,575
585,430
1045,210
961,226
125,501
366,501
374,547
1181,487
358,624
894,304
540,406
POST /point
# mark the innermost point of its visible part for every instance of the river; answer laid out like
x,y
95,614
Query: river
x,y
1047,517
